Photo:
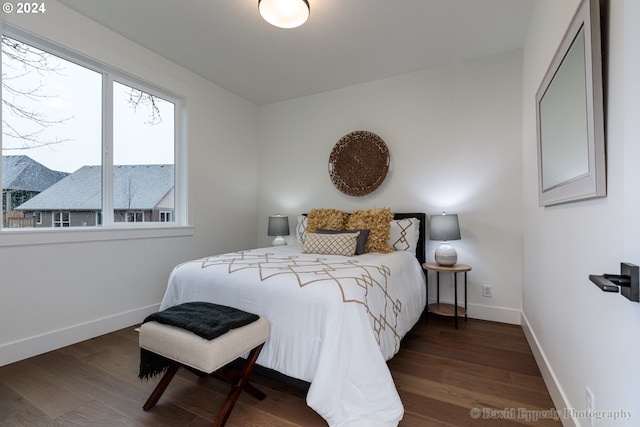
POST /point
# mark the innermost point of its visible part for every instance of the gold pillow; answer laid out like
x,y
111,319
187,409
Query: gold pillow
x,y
378,222
327,219
331,244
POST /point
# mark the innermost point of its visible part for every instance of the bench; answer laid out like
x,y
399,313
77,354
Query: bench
x,y
184,348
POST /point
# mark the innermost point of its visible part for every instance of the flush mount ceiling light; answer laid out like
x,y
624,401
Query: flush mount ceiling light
x,y
284,13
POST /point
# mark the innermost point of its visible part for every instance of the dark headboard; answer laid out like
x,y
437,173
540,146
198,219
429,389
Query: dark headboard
x,y
420,250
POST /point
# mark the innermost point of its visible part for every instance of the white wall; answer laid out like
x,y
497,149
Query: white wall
x,y
583,336
55,294
454,135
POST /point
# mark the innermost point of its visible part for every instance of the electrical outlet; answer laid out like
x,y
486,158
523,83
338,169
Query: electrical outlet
x,y
487,291
589,406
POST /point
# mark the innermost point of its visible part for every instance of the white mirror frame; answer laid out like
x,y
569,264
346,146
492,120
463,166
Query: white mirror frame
x,y
592,182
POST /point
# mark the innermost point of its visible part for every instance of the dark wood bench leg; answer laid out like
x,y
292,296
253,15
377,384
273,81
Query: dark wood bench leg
x,y
236,388
161,387
231,376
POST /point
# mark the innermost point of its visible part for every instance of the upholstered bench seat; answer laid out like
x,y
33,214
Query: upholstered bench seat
x,y
204,355
184,348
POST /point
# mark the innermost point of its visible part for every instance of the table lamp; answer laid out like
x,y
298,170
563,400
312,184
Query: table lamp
x,y
278,226
445,227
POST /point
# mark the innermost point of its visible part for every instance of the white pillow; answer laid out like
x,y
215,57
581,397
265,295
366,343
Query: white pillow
x,y
404,234
301,228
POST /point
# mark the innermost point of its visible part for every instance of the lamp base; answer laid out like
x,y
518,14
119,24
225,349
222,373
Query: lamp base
x,y
446,255
279,241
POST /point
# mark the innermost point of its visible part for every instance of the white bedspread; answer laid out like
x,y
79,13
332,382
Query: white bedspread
x,y
334,320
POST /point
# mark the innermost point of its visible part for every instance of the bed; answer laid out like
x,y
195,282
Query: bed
x,y
335,320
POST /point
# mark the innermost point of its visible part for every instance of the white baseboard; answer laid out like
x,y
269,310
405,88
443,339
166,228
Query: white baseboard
x,y
495,314
492,313
32,346
551,381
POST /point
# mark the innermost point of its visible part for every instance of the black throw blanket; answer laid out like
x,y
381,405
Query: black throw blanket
x,y
204,319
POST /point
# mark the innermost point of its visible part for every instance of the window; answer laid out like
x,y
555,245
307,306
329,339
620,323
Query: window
x,y
143,150
97,147
135,216
61,219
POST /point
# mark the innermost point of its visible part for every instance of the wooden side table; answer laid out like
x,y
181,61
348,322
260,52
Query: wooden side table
x,y
448,309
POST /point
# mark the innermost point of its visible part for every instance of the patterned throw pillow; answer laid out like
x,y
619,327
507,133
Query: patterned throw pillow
x,y
377,221
362,238
404,234
330,244
328,219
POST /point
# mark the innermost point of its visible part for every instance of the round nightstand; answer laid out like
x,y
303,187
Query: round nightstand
x,y
447,309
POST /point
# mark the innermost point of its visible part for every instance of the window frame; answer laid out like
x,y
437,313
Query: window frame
x,y
163,214
57,217
133,214
179,226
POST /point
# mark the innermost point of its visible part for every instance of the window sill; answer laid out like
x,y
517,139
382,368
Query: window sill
x,y
21,237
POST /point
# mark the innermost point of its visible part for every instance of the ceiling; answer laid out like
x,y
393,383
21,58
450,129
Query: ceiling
x,y
344,42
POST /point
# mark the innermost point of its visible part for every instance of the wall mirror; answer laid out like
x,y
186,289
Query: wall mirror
x,y
570,115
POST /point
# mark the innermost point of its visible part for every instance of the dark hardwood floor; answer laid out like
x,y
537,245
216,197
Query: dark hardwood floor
x,y
482,374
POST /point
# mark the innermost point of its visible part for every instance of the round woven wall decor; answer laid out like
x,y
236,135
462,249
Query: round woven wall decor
x,y
358,163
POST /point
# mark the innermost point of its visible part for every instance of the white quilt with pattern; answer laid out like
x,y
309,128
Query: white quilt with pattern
x,y
335,320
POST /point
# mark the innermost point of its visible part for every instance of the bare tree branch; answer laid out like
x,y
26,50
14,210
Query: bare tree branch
x,y
26,123
30,57
139,99
23,60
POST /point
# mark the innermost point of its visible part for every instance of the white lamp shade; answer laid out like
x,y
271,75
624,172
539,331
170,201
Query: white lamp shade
x,y
284,13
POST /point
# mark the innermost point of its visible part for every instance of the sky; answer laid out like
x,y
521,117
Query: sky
x,y
70,98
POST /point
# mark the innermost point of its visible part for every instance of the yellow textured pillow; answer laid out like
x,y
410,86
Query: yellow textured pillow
x,y
378,222
327,219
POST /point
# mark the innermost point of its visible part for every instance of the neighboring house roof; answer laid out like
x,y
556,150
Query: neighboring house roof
x,y
24,173
134,187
